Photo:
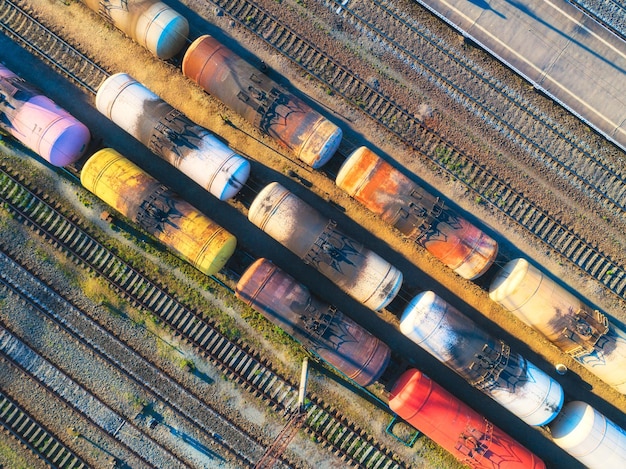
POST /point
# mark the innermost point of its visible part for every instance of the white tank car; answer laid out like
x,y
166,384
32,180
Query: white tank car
x,y
486,363
171,135
359,272
565,320
589,436
150,23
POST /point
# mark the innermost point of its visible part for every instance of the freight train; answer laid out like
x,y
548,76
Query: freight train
x,y
417,214
327,332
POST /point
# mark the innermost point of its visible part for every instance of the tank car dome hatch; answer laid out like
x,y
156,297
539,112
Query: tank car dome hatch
x,y
573,326
359,272
486,363
171,135
144,200
39,123
317,325
261,101
417,214
454,426
151,23
589,436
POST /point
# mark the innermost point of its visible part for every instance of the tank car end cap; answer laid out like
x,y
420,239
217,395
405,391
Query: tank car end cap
x,y
515,284
167,33
354,170
238,173
70,145
321,145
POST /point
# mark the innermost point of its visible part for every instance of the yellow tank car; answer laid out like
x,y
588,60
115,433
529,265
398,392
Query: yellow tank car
x,y
176,223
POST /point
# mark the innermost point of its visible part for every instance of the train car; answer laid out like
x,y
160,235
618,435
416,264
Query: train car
x,y
37,122
417,214
589,436
172,136
454,426
317,325
144,200
261,101
574,327
150,23
361,273
486,363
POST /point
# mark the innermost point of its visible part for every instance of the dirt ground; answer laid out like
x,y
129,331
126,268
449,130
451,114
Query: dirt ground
x,y
422,272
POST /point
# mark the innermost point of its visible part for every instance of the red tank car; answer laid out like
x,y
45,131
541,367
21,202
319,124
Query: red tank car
x,y
456,427
314,323
261,101
417,214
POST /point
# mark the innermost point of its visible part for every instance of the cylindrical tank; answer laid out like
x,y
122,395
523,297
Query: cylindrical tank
x,y
319,326
150,23
589,436
39,123
177,224
261,101
359,272
417,214
170,134
565,320
454,426
486,363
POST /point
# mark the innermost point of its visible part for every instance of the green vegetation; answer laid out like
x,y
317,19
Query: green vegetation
x,y
137,402
12,457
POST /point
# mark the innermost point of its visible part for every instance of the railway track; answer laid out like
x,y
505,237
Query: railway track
x,y
608,184
17,422
484,183
26,361
503,197
235,359
610,13
196,412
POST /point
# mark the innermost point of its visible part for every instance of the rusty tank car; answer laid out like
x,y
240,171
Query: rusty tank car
x,y
420,216
317,325
144,200
261,101
359,272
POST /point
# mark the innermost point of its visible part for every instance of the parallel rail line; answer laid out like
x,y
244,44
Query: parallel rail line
x,y
609,13
590,259
235,359
479,179
70,394
116,353
24,428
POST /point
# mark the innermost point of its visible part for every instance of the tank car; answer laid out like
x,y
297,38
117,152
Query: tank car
x,y
37,122
171,135
317,325
138,196
574,327
300,228
150,23
589,436
486,363
417,214
454,426
261,101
